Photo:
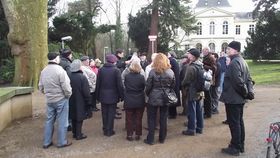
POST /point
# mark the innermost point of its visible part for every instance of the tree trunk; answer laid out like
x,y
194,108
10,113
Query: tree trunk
x,y
154,30
27,38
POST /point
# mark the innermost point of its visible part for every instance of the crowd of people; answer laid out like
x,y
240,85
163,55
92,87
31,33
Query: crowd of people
x,y
73,87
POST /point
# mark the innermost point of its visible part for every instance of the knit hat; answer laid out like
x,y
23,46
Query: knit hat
x,y
110,58
194,52
75,65
66,52
235,45
52,55
83,58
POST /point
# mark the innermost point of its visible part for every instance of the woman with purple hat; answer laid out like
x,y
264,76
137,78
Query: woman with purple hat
x,y
109,91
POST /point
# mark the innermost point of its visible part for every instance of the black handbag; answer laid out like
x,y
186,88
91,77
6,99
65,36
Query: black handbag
x,y
169,96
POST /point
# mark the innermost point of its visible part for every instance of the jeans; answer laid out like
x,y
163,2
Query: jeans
x,y
57,111
220,89
236,125
195,116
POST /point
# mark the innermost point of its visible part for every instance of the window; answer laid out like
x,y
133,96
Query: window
x,y
199,46
224,47
225,28
212,28
237,29
252,28
212,47
187,47
199,31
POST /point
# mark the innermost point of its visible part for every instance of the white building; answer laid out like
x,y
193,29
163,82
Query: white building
x,y
217,26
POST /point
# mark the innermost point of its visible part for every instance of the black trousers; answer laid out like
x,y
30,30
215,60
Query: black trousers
x,y
207,104
93,100
152,117
236,125
108,117
77,128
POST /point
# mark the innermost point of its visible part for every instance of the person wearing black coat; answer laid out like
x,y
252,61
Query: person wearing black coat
x,y
161,78
109,91
80,99
176,70
134,100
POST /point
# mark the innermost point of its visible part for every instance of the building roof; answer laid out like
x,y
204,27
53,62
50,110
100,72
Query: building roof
x,y
212,3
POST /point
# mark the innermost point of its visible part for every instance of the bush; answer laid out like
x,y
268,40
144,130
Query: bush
x,y
7,70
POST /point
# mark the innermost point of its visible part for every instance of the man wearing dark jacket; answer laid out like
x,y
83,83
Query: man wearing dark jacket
x,y
237,86
195,112
175,68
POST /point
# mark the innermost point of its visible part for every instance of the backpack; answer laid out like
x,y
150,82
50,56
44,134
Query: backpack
x,y
203,79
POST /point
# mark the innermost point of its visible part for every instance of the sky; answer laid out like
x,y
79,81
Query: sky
x,y
132,6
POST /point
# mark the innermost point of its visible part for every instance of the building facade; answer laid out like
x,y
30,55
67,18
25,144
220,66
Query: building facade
x,y
217,26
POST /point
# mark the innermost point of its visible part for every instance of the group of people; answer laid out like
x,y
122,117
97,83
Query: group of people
x,y
77,85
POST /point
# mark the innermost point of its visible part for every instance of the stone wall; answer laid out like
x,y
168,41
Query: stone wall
x,y
15,103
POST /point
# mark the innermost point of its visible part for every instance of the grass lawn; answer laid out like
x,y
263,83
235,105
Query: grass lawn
x,y
265,72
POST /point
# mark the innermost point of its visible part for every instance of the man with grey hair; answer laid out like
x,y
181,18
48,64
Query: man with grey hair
x,y
237,88
55,84
91,77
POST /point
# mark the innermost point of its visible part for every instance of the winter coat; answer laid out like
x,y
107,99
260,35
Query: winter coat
x,y
176,70
109,86
190,79
120,64
155,85
237,76
65,64
217,74
81,99
210,64
134,96
54,83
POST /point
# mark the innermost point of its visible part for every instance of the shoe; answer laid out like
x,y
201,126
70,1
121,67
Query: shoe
x,y
82,136
137,137
95,109
118,117
129,138
65,145
147,142
47,146
69,128
242,150
198,131
225,122
207,116
188,133
214,112
161,141
231,151
109,134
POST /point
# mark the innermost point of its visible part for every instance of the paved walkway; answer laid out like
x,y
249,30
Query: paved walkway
x,y
23,138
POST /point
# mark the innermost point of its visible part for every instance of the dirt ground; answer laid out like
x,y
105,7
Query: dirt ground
x,y
23,138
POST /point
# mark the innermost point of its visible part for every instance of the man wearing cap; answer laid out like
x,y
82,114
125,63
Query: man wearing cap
x,y
237,83
66,60
91,77
109,91
195,112
55,84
